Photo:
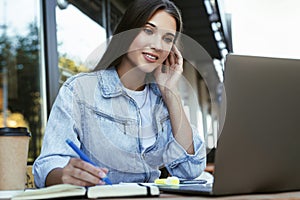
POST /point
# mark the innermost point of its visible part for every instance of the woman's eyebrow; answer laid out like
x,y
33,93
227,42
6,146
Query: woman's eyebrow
x,y
154,26
170,34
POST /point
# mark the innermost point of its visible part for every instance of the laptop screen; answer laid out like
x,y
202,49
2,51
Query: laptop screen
x,y
257,149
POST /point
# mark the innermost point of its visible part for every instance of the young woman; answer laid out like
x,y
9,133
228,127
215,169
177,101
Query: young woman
x,y
127,114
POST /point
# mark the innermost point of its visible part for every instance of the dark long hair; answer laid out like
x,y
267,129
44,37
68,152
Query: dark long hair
x,y
135,17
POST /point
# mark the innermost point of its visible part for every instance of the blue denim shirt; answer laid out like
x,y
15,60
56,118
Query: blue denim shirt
x,y
94,111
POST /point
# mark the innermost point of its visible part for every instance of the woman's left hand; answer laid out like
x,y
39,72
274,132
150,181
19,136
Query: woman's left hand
x,y
168,74
167,77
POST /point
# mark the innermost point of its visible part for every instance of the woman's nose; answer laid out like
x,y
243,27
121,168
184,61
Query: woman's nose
x,y
156,43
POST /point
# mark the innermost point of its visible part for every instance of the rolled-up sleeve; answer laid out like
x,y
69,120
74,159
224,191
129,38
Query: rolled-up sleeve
x,y
182,164
62,124
44,165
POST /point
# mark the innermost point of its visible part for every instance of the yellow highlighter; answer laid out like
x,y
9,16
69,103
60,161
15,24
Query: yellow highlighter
x,y
173,180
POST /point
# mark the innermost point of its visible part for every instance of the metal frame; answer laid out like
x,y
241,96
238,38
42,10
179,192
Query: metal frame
x,y
50,51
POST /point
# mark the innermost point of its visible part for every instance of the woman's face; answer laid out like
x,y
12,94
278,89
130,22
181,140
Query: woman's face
x,y
153,44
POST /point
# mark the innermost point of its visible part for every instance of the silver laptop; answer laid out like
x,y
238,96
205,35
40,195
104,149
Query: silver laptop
x,y
258,150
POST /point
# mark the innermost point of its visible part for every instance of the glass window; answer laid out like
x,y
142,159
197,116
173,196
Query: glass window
x,y
21,88
78,37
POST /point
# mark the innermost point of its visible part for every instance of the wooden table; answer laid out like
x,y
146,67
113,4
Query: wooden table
x,y
275,196
278,196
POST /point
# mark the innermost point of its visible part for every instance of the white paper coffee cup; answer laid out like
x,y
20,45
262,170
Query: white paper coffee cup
x,y
14,143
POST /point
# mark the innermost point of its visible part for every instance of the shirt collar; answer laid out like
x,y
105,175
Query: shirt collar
x,y
111,85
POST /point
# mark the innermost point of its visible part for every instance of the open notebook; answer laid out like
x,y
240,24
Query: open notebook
x,y
100,191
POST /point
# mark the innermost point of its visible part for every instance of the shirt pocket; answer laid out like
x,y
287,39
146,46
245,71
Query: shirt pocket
x,y
124,125
110,121
164,122
117,130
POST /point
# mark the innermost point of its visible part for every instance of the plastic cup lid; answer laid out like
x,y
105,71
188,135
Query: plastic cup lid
x,y
18,131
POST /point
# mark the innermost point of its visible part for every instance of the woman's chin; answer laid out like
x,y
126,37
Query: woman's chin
x,y
149,68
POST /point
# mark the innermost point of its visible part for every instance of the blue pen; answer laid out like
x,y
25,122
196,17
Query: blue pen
x,y
85,158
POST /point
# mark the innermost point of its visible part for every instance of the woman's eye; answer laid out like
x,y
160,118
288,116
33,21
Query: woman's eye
x,y
168,40
148,31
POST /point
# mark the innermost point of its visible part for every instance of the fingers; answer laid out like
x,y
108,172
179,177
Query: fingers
x,y
174,59
80,164
179,60
171,59
79,172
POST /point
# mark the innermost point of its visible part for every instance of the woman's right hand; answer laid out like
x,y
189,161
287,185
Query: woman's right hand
x,y
77,172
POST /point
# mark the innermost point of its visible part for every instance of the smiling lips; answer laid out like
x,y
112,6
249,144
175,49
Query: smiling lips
x,y
150,57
